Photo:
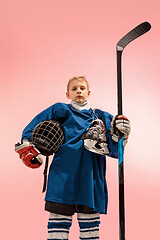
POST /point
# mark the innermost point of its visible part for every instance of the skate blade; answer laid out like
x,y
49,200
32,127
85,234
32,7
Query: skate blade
x,y
91,146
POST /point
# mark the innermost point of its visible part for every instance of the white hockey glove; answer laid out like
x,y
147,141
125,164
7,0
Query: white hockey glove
x,y
120,125
95,139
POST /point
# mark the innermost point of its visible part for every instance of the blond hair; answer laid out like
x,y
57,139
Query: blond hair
x,y
79,78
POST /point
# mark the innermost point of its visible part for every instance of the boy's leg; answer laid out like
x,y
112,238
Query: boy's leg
x,y
58,226
89,225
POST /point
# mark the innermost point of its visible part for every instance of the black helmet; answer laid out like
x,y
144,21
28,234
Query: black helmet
x,y
47,137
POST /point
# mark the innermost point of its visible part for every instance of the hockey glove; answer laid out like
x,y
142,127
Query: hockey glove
x,y
120,125
30,156
95,139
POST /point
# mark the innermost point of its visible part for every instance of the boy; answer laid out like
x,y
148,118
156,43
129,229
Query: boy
x,y
76,181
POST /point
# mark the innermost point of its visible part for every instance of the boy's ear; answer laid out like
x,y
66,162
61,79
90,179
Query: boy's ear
x,y
67,95
89,92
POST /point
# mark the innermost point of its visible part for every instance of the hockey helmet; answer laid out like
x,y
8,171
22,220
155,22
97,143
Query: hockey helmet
x,y
47,137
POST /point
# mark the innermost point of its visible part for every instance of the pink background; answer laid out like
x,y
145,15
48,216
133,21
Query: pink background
x,y
42,45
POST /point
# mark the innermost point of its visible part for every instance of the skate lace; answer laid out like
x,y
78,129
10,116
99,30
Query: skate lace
x,y
94,115
96,125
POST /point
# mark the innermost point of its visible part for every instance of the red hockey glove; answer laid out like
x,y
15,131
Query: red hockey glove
x,y
120,124
30,156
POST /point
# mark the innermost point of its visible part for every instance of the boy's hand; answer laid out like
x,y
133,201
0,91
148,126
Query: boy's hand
x,y
120,125
30,156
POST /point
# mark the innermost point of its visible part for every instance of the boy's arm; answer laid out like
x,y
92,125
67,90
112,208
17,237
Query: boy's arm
x,y
28,153
112,146
44,115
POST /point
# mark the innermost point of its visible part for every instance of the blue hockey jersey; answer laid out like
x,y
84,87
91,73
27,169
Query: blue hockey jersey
x,y
76,175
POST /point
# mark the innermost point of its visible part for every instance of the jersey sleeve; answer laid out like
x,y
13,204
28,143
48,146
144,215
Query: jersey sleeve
x,y
56,112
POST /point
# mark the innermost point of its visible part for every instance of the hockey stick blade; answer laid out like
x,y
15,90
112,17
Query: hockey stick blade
x,y
133,34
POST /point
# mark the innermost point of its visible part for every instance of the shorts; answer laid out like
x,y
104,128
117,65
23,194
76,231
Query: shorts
x,y
67,209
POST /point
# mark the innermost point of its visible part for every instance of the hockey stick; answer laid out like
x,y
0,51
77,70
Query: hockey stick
x,y
129,37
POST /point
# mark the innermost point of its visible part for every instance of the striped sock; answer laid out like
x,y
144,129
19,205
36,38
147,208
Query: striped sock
x,y
89,225
58,226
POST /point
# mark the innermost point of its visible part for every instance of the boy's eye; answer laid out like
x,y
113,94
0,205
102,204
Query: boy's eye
x,y
74,88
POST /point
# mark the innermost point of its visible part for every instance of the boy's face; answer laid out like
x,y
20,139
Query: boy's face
x,y
78,91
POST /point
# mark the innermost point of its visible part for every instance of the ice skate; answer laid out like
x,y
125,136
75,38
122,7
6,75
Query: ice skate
x,y
95,139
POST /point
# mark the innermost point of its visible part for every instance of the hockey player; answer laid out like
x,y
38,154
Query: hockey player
x,y
77,175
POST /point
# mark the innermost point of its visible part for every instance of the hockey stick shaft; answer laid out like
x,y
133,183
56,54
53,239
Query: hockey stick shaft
x,y
45,174
129,37
120,151
119,82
